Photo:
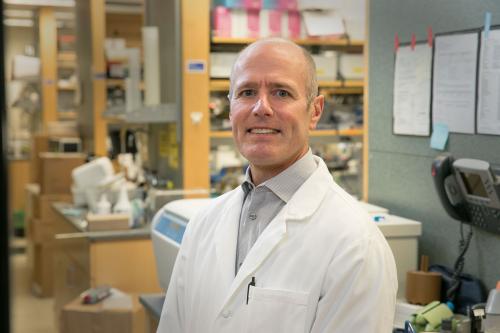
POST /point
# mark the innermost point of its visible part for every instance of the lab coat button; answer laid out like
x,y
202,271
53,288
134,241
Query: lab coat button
x,y
252,216
226,314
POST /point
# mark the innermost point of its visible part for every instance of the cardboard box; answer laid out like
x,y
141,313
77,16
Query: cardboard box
x,y
32,192
108,222
352,66
46,212
41,233
41,264
82,318
55,171
40,143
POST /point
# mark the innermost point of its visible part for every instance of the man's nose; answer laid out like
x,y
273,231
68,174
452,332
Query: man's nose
x,y
262,107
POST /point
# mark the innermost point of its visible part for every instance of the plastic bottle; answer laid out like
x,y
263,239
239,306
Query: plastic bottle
x,y
103,206
123,204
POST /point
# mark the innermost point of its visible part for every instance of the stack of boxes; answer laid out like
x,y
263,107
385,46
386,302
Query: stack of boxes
x,y
51,182
257,18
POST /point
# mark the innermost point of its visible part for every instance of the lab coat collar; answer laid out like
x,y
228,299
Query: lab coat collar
x,y
308,197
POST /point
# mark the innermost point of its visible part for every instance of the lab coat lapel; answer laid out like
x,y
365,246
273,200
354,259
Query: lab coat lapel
x,y
226,237
264,245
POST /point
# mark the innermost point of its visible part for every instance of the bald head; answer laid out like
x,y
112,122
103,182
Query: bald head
x,y
291,49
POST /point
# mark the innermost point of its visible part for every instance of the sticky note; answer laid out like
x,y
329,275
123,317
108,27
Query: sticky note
x,y
487,24
439,136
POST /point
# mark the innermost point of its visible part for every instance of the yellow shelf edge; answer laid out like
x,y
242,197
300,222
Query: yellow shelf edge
x,y
223,85
300,41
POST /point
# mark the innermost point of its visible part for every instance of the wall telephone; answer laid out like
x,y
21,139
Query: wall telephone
x,y
469,191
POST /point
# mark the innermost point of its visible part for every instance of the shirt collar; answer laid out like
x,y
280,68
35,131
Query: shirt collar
x,y
286,183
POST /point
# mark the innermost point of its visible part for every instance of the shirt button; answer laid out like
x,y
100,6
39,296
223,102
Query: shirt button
x,y
226,314
252,216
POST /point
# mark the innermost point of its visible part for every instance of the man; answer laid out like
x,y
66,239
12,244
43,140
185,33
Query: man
x,y
289,250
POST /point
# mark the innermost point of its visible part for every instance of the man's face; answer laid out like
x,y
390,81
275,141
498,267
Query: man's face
x,y
269,114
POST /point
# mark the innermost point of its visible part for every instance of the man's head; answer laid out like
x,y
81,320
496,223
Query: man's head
x,y
274,104
311,80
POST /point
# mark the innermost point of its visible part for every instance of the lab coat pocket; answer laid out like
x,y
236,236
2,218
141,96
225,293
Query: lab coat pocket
x,y
272,310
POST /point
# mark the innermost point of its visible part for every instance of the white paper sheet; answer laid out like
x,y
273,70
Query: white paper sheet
x,y
323,23
454,81
412,90
316,4
488,107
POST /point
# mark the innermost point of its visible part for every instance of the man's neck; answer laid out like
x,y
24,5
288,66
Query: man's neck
x,y
261,173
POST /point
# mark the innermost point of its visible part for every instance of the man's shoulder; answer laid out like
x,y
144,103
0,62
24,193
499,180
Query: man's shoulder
x,y
215,207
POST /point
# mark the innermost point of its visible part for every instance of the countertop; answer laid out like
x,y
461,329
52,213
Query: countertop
x,y
76,217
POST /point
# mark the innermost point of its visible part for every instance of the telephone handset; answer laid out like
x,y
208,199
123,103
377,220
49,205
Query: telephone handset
x,y
469,191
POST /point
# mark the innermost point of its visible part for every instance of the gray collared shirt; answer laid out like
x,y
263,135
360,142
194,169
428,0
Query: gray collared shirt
x,y
263,202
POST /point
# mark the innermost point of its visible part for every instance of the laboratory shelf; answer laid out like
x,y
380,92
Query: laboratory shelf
x,y
156,114
352,86
121,83
301,41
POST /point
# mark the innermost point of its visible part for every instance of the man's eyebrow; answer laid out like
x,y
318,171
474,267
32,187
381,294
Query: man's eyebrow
x,y
273,85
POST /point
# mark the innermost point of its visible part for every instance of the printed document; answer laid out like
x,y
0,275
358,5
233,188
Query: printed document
x,y
454,81
488,107
412,90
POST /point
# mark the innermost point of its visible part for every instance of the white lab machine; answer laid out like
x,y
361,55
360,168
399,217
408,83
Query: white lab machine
x,y
170,223
167,231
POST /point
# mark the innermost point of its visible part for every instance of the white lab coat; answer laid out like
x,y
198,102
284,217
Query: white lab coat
x,y
321,265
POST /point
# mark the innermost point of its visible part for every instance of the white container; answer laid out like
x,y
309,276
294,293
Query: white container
x,y
402,235
492,321
326,66
352,66
103,206
221,64
123,205
93,173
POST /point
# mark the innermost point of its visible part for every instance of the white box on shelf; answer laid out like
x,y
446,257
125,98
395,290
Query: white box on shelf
x,y
326,66
352,66
221,64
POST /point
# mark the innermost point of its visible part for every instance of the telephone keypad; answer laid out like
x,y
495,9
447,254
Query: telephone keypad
x,y
484,217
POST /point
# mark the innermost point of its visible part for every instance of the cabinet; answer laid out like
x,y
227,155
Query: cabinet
x,y
82,260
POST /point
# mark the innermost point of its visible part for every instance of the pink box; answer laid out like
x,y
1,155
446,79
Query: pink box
x,y
287,4
275,22
222,22
252,4
294,24
253,23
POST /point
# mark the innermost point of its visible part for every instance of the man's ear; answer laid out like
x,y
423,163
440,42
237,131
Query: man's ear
x,y
316,111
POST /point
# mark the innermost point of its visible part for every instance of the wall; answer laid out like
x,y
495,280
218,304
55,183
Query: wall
x,y
399,166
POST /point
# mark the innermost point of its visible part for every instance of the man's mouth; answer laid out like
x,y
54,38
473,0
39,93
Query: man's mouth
x,y
263,131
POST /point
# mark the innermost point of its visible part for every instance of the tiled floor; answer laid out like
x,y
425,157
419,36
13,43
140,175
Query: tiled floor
x,y
29,314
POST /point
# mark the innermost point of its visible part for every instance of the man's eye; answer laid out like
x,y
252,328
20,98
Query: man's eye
x,y
247,93
282,93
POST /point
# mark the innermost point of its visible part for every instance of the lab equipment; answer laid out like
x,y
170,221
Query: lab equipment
x,y
469,191
167,231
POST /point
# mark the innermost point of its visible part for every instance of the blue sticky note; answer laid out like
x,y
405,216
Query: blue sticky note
x,y
487,24
439,136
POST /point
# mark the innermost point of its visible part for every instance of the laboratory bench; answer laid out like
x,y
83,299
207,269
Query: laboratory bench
x,y
153,303
122,259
